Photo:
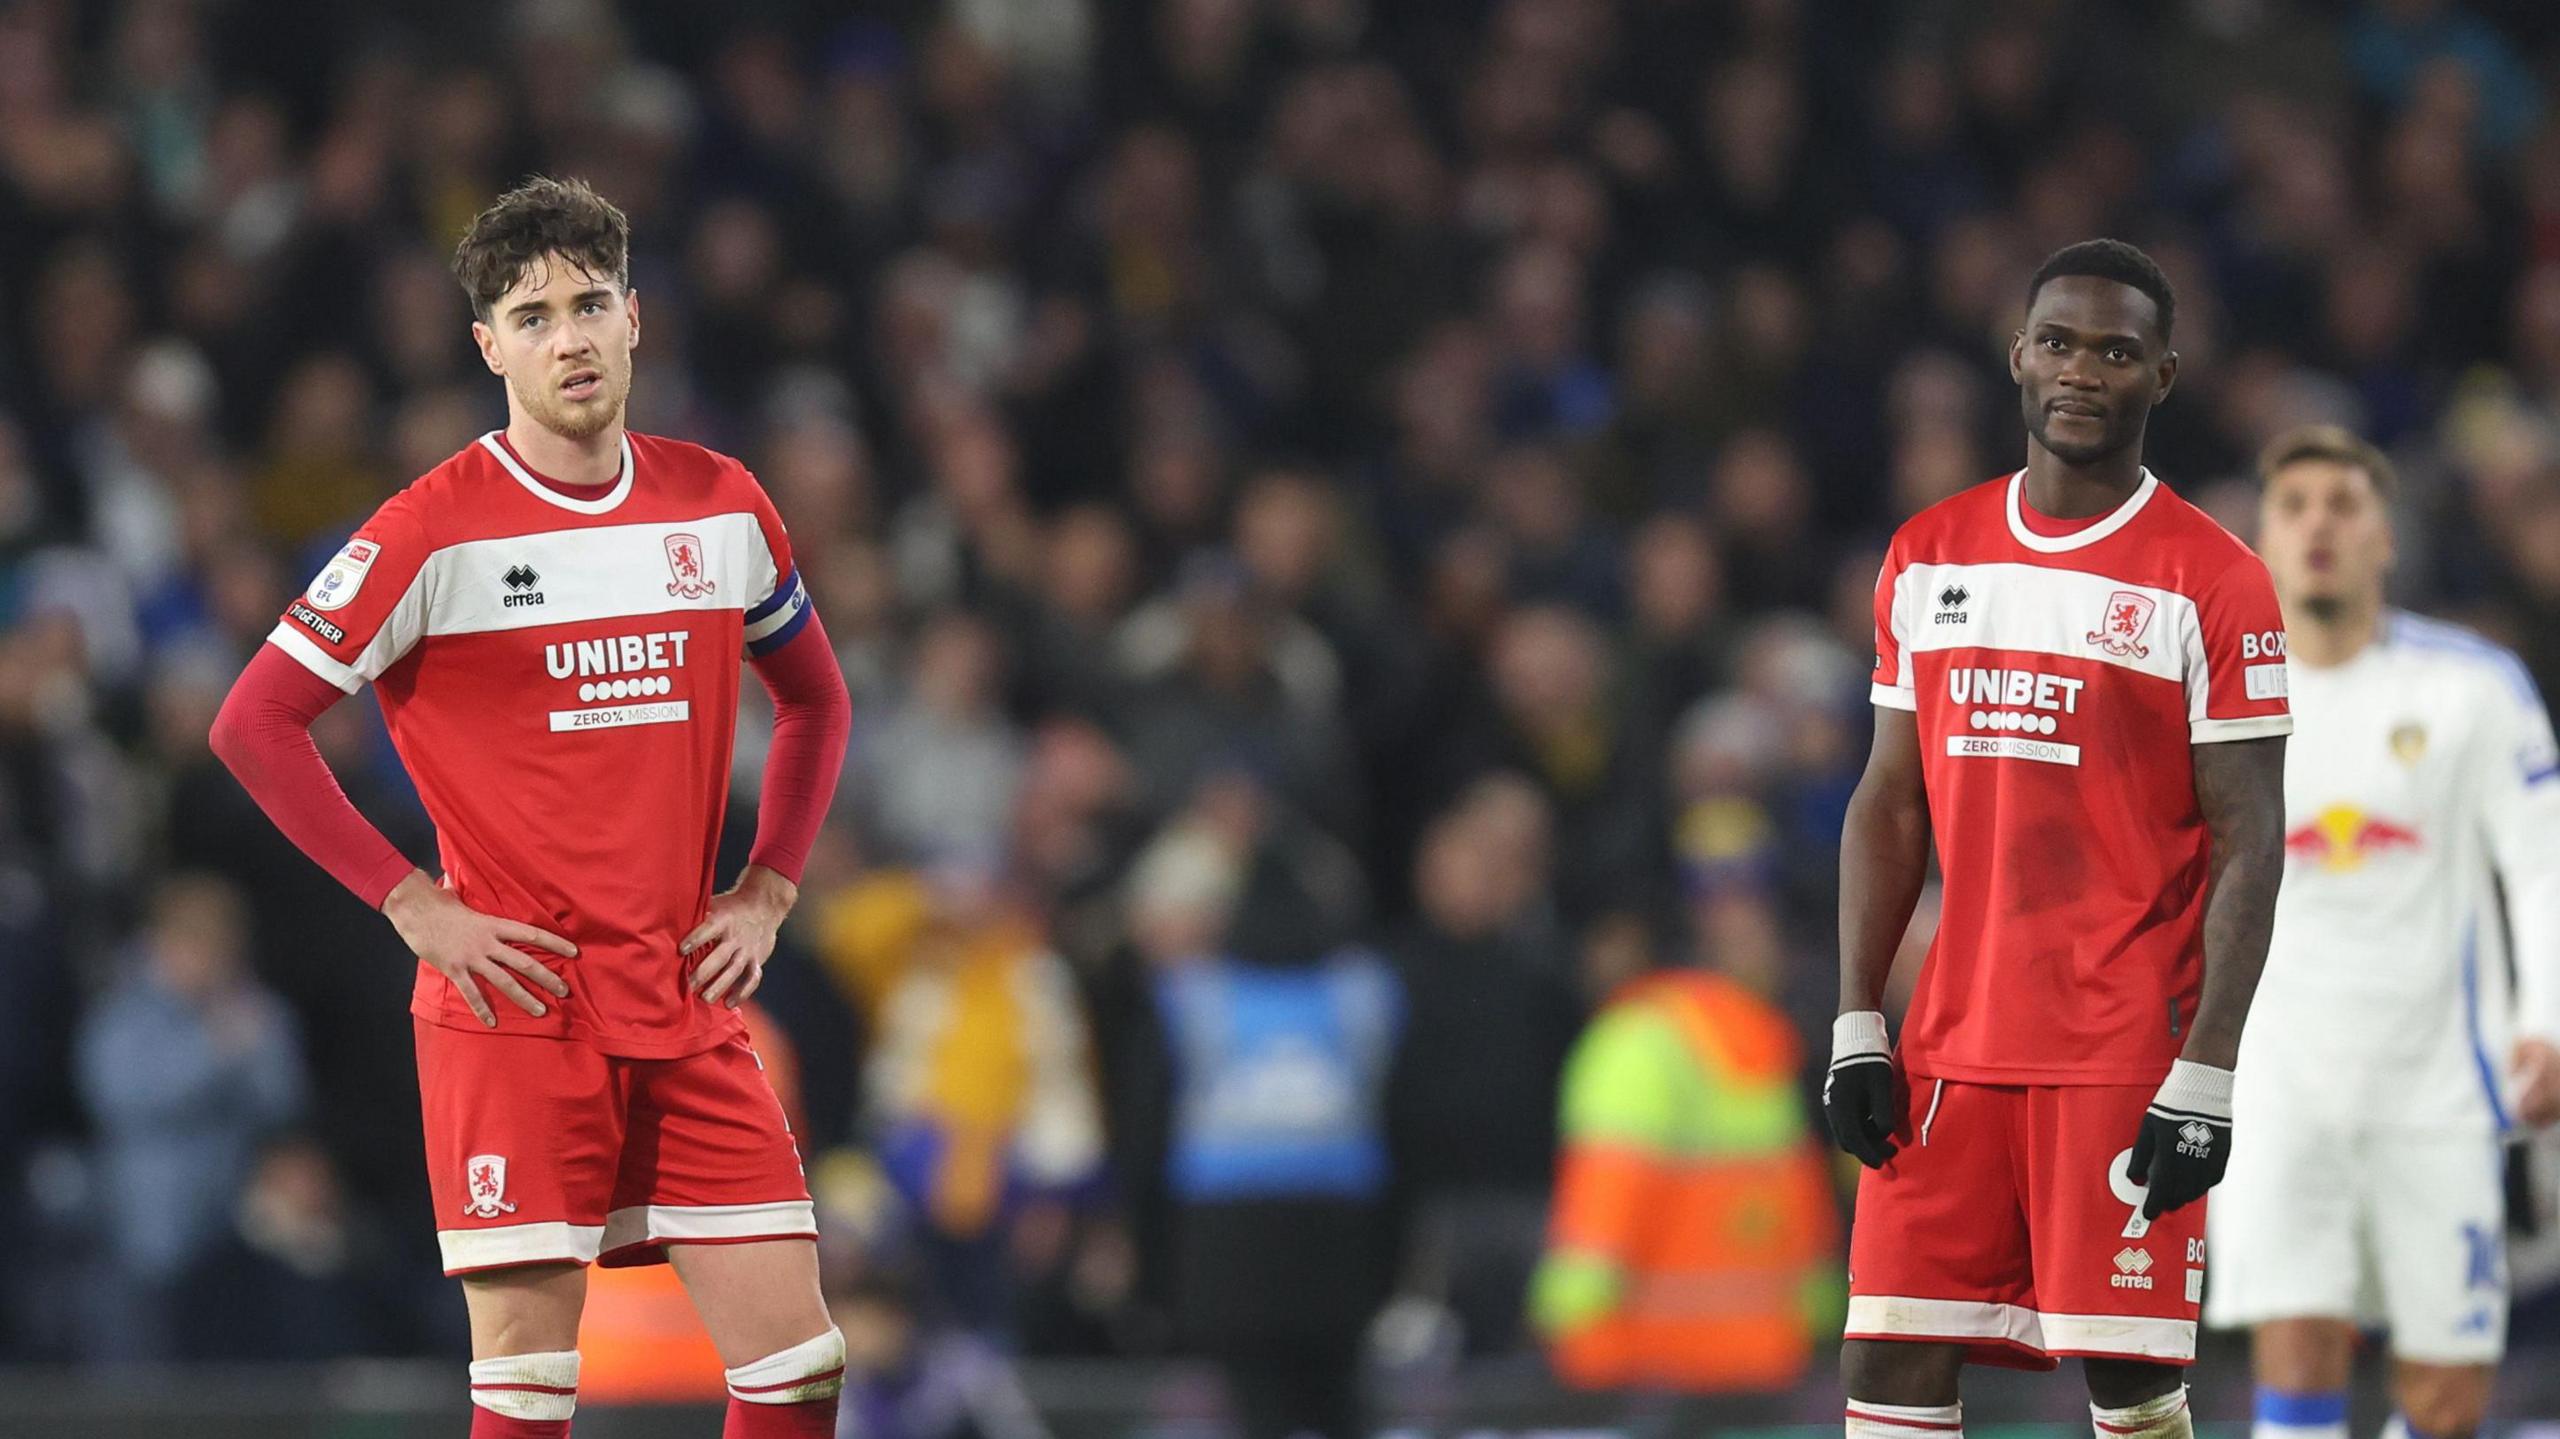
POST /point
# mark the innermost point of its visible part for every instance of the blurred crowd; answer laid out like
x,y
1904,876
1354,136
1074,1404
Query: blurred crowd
x,y
1353,508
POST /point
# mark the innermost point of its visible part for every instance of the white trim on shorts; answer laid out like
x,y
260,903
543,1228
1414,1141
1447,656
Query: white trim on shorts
x,y
639,1225
543,1242
2037,1332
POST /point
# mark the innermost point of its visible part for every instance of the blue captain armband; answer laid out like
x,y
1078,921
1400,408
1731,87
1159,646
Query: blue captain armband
x,y
784,613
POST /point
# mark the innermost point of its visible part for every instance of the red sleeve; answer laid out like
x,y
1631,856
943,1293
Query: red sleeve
x,y
263,734
1891,683
777,603
2236,678
812,720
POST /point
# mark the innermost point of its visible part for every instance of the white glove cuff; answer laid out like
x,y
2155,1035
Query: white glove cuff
x,y
1857,1035
2198,1089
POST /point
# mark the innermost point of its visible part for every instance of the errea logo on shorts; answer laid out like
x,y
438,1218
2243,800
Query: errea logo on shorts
x,y
2133,1269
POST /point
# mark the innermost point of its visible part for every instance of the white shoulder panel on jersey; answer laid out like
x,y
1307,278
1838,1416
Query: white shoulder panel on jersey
x,y
2034,609
402,628
594,573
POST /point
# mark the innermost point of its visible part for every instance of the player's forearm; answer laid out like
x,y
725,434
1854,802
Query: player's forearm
x,y
1884,859
2237,920
263,736
2240,787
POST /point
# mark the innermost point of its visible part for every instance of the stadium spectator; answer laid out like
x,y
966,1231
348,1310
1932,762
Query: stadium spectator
x,y
1490,1010
1264,1107
933,779
185,1066
978,1080
1694,1241
297,1275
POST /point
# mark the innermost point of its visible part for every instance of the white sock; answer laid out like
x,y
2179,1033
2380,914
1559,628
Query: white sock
x,y
811,1369
2286,1414
1905,1421
527,1386
2163,1418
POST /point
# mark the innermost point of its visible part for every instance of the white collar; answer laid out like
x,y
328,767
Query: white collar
x,y
2087,535
601,504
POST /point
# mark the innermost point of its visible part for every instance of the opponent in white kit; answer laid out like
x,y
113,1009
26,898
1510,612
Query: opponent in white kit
x,y
2384,1062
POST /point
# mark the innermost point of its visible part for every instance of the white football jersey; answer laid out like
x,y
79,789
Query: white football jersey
x,y
2420,784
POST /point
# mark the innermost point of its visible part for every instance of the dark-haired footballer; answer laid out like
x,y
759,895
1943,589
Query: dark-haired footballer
x,y
554,620
2080,698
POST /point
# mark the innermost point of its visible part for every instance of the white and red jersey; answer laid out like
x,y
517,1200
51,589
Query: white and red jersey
x,y
559,671
2058,681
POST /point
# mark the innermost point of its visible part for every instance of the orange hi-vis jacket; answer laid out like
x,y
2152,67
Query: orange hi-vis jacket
x,y
1694,1240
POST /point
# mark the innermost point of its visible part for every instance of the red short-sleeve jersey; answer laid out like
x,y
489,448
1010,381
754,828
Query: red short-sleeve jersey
x,y
560,675
2058,684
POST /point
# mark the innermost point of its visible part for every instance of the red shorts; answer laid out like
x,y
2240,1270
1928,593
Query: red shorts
x,y
545,1151
2005,1224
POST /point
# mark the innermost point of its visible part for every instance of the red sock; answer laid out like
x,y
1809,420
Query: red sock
x,y
809,1419
486,1424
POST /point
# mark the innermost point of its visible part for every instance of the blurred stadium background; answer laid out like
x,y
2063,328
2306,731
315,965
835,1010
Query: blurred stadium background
x,y
1397,471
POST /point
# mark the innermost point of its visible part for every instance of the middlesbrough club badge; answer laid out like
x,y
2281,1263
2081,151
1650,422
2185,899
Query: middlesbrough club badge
x,y
484,1178
2128,617
684,560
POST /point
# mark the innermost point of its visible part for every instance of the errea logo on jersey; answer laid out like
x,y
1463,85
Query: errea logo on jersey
x,y
522,582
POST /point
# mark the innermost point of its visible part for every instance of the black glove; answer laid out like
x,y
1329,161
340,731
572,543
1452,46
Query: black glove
x,y
2185,1140
1858,1094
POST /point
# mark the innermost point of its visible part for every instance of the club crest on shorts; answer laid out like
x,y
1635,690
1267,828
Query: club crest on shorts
x,y
2120,632
684,561
484,1179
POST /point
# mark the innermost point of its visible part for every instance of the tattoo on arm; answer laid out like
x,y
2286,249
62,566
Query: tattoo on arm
x,y
2240,788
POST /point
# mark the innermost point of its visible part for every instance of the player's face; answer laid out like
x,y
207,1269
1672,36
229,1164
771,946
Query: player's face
x,y
563,340
2325,535
2090,364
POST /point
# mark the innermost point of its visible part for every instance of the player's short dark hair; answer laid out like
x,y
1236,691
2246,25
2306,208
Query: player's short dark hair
x,y
2333,444
542,216
2110,260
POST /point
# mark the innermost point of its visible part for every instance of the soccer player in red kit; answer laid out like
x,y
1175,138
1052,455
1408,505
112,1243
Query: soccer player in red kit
x,y
2080,695
554,621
